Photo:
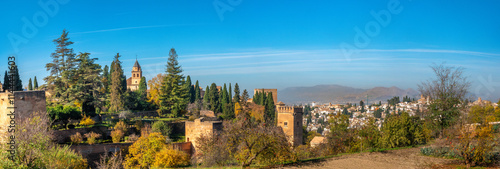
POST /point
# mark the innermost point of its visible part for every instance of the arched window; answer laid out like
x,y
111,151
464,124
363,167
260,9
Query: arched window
x,y
285,124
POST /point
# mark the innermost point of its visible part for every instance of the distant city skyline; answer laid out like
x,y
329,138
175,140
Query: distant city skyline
x,y
263,44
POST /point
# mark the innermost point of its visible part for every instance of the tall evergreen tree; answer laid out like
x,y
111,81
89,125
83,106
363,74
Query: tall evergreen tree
x,y
35,82
60,75
174,96
190,89
256,97
206,99
111,69
244,97
6,82
262,99
236,97
30,85
270,109
106,78
230,94
214,98
87,91
18,85
197,94
143,88
116,88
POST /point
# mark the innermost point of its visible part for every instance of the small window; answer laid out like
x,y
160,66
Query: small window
x,y
285,124
135,81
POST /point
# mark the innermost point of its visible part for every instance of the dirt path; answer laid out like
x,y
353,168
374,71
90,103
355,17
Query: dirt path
x,y
404,158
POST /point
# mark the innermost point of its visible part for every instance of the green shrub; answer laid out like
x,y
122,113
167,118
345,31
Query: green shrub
x,y
63,113
403,130
161,127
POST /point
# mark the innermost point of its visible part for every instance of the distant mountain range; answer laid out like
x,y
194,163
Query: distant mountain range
x,y
341,94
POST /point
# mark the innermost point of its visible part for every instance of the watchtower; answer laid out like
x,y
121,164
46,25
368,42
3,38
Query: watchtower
x,y
290,120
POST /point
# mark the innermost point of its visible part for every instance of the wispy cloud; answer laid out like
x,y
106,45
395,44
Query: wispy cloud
x,y
129,28
474,53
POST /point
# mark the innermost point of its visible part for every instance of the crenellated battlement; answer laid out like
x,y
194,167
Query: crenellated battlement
x,y
289,109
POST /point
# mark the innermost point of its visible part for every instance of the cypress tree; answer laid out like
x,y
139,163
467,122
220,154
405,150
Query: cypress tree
x,y
230,94
19,84
143,87
35,84
197,91
30,85
206,99
270,109
117,92
256,97
236,97
190,89
214,98
262,99
106,78
6,82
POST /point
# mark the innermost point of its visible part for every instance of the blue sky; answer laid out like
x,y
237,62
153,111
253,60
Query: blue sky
x,y
267,44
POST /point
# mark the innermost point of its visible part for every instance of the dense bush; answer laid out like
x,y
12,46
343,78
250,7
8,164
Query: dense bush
x,y
121,125
403,130
143,152
116,136
63,113
161,127
171,158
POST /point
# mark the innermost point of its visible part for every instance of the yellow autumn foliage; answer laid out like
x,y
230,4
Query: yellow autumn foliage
x,y
167,158
154,89
143,152
87,121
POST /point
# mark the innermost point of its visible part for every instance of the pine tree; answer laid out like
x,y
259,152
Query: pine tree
x,y
60,69
244,97
174,96
116,89
35,84
197,94
6,82
190,89
236,97
87,90
30,85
